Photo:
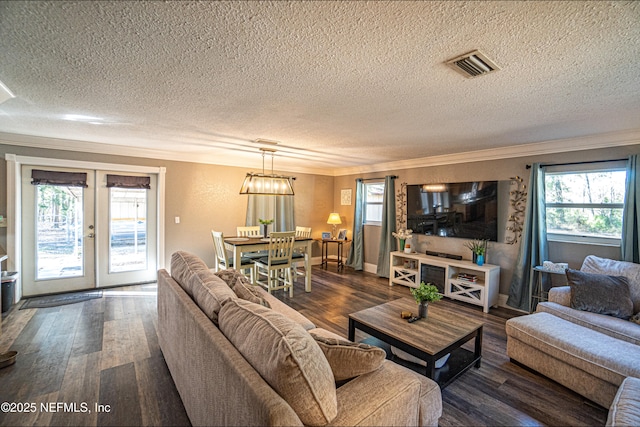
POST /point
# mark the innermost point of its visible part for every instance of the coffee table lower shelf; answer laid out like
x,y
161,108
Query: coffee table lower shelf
x,y
460,361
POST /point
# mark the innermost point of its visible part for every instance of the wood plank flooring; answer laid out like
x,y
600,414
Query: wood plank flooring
x,y
105,352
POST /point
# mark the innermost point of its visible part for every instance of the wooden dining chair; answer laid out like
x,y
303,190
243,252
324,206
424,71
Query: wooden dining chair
x,y
252,231
224,261
274,271
299,254
248,231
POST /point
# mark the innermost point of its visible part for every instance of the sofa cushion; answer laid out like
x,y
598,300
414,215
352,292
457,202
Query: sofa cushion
x,y
594,264
184,265
285,355
625,409
284,309
348,359
600,293
609,325
602,356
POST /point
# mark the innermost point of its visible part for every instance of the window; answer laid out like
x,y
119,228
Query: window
x,y
585,206
373,197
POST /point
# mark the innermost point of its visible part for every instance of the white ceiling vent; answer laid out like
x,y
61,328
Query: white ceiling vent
x,y
473,64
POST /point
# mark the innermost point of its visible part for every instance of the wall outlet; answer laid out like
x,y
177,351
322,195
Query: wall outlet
x,y
177,220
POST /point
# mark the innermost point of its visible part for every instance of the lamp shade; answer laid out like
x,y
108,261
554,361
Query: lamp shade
x,y
259,183
334,218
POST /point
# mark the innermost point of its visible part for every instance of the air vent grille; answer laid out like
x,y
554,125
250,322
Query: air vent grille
x,y
473,64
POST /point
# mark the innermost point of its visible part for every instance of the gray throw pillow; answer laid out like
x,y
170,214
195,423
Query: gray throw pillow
x,y
599,293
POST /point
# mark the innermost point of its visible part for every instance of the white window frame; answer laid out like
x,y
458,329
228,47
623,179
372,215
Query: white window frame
x,y
365,203
584,239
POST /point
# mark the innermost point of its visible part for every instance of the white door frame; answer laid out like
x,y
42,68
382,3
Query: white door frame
x,y
14,202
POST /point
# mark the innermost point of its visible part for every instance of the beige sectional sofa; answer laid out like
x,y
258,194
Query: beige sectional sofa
x,y
239,356
588,352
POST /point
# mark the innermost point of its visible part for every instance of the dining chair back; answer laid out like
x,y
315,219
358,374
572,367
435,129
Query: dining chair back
x,y
248,231
274,271
252,231
303,232
224,261
299,254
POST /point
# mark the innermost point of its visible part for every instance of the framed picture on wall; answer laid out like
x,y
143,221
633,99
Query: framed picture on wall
x,y
342,235
326,235
345,197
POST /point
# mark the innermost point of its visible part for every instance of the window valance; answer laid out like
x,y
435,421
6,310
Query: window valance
x,y
66,179
124,181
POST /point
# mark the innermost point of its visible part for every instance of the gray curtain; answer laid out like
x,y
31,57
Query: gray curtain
x,y
388,226
533,244
355,259
278,208
285,214
631,213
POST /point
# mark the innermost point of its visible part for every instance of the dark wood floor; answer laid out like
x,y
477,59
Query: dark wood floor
x,y
105,352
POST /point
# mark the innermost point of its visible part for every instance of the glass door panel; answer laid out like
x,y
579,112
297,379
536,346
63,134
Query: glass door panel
x,y
59,237
58,252
127,229
126,232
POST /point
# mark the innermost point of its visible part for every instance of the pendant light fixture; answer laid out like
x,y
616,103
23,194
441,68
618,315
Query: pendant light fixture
x,y
267,184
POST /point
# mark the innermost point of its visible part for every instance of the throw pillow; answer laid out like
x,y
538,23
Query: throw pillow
x,y
285,355
249,293
230,277
209,293
348,359
599,293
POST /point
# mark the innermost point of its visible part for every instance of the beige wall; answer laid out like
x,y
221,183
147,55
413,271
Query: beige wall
x,y
206,196
203,196
501,254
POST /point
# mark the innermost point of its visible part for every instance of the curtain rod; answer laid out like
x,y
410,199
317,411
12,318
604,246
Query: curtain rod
x,y
578,163
377,179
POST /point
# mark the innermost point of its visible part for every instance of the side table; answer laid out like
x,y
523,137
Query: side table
x,y
325,252
539,294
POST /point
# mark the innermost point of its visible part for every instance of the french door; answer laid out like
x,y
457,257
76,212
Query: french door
x,y
85,229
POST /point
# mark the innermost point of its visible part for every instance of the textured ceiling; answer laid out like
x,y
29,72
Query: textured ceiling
x,y
339,84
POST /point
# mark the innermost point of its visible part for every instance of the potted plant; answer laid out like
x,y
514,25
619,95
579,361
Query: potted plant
x,y
479,250
265,224
424,294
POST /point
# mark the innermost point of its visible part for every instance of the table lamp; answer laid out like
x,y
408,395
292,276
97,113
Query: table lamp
x,y
334,219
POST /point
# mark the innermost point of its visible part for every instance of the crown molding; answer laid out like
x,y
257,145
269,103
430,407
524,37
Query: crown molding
x,y
33,141
590,142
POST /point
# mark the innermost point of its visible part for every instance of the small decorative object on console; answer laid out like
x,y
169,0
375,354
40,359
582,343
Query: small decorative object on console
x,y
402,235
479,250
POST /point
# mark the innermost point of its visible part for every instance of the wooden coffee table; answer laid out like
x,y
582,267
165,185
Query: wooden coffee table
x,y
440,333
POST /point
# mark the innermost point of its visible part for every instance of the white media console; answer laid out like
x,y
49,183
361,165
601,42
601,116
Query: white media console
x,y
463,280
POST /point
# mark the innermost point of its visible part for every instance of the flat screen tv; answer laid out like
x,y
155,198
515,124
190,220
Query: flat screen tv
x,y
460,209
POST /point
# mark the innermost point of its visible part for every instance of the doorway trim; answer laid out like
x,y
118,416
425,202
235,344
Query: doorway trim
x,y
14,201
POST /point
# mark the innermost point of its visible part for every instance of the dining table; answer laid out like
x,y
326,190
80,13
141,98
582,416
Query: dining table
x,y
240,245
